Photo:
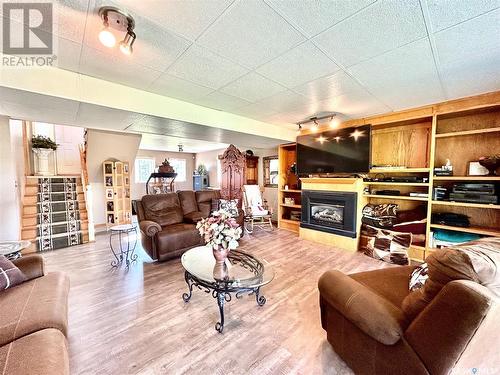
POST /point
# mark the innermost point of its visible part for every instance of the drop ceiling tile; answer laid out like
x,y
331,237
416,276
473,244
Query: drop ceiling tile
x,y
154,48
169,85
104,66
187,17
357,105
285,101
469,40
222,102
469,56
313,17
68,54
252,87
381,27
402,78
448,13
326,87
250,33
255,110
301,64
70,17
204,67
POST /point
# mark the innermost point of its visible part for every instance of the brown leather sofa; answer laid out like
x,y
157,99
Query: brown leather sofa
x,y
34,321
363,315
168,221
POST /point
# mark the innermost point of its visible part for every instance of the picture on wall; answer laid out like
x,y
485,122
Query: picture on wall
x,y
127,182
111,219
110,206
109,181
109,193
108,168
125,168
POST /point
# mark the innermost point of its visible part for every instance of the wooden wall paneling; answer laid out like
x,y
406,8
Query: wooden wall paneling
x,y
469,120
463,149
402,145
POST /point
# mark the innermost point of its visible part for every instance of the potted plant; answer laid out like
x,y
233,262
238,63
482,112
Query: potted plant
x,y
201,170
43,147
221,233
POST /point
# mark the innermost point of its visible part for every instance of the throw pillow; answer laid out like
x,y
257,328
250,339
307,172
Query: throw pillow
x,y
444,265
387,245
10,275
229,205
418,277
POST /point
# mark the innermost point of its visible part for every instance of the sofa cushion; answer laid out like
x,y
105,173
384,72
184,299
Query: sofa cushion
x,y
10,275
188,201
178,236
193,217
34,305
164,209
40,353
230,206
204,199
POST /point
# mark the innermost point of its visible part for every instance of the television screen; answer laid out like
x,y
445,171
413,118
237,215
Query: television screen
x,y
334,151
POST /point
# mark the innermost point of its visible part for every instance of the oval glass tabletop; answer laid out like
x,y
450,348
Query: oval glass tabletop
x,y
9,247
242,270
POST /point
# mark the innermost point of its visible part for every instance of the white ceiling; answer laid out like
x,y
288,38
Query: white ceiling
x,y
281,61
157,142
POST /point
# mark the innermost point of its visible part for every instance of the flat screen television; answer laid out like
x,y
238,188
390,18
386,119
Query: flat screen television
x,y
345,151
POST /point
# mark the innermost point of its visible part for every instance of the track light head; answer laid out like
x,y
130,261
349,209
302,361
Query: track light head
x,y
114,18
127,43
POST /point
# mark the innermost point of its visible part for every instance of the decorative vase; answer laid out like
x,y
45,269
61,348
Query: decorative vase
x,y
220,271
43,160
220,254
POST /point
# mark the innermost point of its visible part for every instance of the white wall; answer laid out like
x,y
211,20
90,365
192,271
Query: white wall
x,y
137,190
209,159
9,191
101,146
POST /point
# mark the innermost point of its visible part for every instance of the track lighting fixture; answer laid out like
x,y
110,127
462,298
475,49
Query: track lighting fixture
x,y
316,122
299,130
116,19
181,147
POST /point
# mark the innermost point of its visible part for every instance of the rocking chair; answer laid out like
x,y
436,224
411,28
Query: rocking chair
x,y
257,212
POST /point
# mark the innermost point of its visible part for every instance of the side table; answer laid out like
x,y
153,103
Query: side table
x,y
124,252
12,249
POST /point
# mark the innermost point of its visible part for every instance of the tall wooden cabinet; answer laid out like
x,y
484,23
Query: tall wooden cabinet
x,y
117,192
233,176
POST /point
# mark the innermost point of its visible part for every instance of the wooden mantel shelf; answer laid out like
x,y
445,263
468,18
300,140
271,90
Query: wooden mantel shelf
x,y
330,180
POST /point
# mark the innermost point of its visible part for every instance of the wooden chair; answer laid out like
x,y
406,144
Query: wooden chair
x,y
256,210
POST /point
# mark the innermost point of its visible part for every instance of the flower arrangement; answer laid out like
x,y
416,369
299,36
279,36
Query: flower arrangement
x,y
220,231
39,141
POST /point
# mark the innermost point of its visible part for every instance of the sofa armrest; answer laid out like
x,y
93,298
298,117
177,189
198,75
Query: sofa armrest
x,y
149,228
441,333
32,266
371,313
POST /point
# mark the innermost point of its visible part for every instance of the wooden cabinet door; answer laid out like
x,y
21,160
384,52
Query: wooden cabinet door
x,y
233,174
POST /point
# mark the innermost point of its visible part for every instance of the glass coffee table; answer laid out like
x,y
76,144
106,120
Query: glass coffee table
x,y
242,274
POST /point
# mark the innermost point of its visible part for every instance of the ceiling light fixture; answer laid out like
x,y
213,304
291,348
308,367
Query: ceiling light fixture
x,y
299,130
114,18
181,147
316,122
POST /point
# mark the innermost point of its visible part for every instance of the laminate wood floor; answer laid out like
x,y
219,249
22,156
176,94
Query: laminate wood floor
x,y
135,321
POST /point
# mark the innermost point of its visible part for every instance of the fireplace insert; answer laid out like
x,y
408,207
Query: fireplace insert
x,y
331,212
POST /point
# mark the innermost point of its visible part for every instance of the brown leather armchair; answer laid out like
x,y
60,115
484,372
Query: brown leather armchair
x,y
363,316
166,233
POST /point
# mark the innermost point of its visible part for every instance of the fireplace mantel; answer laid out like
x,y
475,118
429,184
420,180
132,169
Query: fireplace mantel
x,y
331,184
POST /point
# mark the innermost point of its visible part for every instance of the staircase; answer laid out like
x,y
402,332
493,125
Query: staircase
x,y
54,213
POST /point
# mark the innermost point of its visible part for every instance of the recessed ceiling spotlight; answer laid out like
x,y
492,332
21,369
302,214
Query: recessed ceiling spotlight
x,y
114,18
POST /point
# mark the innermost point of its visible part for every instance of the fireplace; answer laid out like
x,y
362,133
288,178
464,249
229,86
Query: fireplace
x,y
331,212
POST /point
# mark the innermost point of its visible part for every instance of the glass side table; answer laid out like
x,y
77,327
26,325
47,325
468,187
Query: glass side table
x,y
12,249
125,251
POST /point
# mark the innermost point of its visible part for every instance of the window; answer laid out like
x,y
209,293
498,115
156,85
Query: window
x,y
179,166
271,171
143,169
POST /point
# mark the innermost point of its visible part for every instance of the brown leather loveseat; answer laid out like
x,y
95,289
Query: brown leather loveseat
x,y
378,326
34,321
168,221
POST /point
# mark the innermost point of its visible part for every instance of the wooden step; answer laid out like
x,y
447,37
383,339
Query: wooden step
x,y
32,248
83,232
31,208
32,190
31,220
29,232
31,199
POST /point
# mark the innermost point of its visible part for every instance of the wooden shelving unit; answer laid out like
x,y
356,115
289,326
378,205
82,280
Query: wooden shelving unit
x,y
397,197
422,139
477,230
287,155
117,192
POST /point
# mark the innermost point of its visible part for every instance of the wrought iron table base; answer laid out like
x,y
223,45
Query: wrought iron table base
x,y
124,254
221,291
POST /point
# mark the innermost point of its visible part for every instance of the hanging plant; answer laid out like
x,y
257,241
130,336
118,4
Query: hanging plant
x,y
39,141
